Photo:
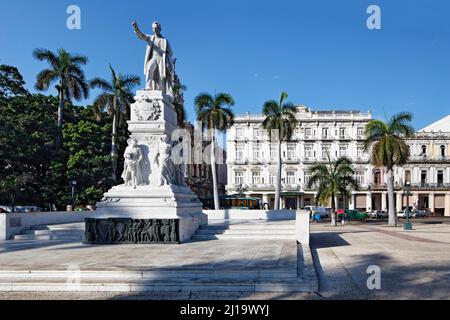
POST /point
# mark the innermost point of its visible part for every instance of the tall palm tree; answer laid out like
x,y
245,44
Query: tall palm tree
x,y
115,100
216,115
178,90
280,116
336,177
389,149
66,69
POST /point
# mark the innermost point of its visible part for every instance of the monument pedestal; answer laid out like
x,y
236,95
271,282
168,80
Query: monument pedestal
x,y
154,205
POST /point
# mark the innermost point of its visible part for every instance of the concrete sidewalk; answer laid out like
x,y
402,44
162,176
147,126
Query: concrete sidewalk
x,y
414,265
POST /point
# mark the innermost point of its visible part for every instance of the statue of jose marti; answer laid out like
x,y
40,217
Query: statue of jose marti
x,y
159,67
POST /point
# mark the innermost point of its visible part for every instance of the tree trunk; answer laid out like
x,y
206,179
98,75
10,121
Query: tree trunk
x,y
60,115
278,185
113,147
333,211
214,173
391,204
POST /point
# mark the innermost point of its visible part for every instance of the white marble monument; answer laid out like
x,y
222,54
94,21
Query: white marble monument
x,y
154,185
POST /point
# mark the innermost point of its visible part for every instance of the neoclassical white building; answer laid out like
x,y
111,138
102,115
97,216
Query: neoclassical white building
x,y
252,161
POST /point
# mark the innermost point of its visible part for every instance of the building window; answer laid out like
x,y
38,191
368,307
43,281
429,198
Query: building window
x,y
290,151
360,132
240,153
257,152
325,132
308,152
423,177
360,177
424,150
325,152
307,177
440,178
342,132
442,148
256,133
273,152
239,133
308,132
272,178
342,151
360,152
407,176
256,178
290,177
239,177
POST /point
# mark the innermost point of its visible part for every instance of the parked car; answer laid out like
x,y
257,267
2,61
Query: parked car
x,y
354,215
378,214
401,214
418,214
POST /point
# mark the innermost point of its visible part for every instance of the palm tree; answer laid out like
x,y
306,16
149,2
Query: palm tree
x,y
178,102
389,149
336,177
115,100
280,116
216,115
66,69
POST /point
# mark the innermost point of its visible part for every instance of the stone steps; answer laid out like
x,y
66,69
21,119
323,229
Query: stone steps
x,y
236,230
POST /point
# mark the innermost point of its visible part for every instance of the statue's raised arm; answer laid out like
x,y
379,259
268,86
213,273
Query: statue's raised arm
x,y
138,32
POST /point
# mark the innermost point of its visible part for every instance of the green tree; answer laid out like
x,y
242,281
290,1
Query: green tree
x,y
178,90
66,69
11,82
216,116
336,177
115,101
280,121
386,139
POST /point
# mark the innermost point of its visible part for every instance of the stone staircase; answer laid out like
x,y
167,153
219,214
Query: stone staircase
x,y
64,232
247,229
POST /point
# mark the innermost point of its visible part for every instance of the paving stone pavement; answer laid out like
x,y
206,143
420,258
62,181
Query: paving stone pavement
x,y
413,264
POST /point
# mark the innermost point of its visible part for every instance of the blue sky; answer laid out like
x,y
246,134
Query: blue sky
x,y
320,52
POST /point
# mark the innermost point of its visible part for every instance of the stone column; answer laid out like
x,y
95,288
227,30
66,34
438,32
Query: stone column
x,y
369,202
299,203
302,201
399,201
266,199
447,204
352,203
383,201
431,201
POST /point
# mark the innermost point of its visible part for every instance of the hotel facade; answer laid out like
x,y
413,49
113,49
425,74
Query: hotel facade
x,y
252,162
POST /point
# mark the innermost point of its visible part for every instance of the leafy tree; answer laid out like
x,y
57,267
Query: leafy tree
x,y
280,116
336,177
216,115
115,101
11,82
66,69
389,149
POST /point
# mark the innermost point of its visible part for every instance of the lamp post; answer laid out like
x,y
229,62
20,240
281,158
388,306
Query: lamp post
x,y
407,225
73,184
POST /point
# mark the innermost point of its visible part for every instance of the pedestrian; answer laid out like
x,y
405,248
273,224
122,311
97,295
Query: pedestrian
x,y
310,216
317,217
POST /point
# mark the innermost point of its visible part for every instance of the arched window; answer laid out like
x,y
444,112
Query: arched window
x,y
424,150
442,151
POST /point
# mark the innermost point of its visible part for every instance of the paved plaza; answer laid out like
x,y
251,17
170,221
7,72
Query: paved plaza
x,y
414,265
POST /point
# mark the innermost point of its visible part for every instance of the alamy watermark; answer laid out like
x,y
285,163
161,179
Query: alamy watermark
x,y
73,21
374,20
374,280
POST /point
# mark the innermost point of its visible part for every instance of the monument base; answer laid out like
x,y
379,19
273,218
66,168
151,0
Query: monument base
x,y
147,207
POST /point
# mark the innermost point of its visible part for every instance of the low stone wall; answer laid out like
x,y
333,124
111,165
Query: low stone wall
x,y
235,214
14,223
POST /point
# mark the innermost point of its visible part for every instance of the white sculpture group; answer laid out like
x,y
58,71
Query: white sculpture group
x,y
163,170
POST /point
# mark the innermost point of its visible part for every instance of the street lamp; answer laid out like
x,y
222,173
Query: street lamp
x,y
73,184
407,225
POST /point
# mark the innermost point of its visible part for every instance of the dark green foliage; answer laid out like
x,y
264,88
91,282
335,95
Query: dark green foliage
x,y
34,170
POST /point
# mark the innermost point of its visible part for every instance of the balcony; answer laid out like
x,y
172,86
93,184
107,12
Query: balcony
x,y
327,138
309,160
240,161
430,186
310,137
344,137
427,159
291,160
362,160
